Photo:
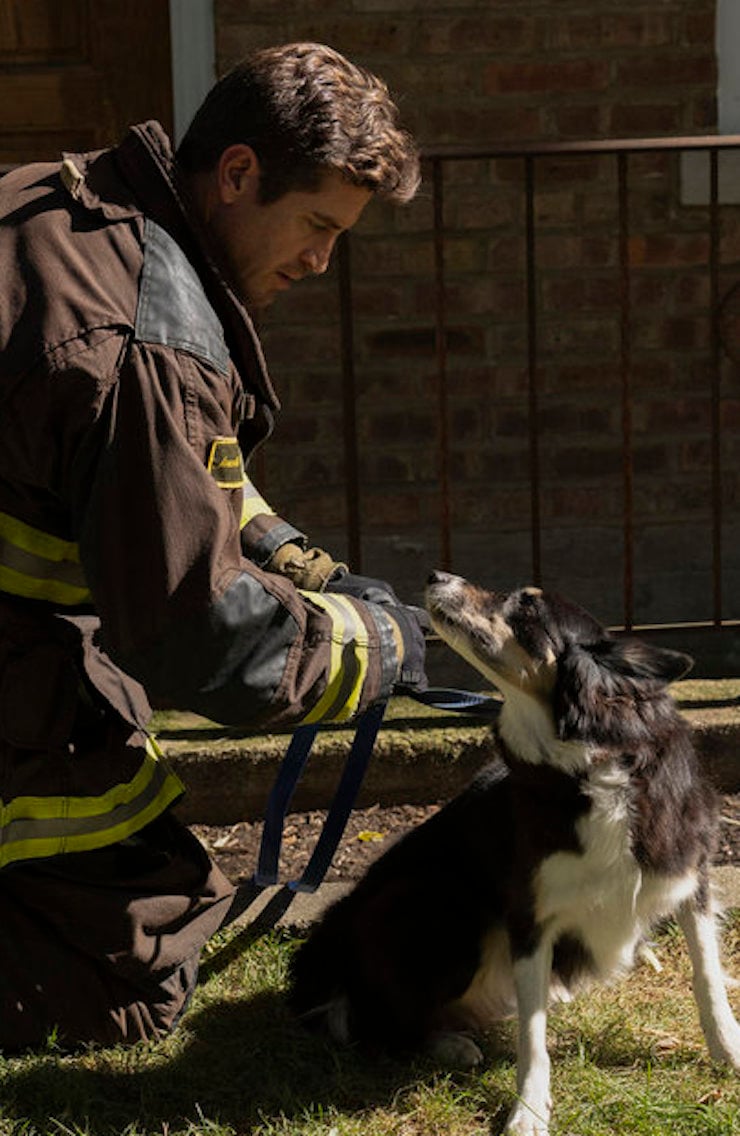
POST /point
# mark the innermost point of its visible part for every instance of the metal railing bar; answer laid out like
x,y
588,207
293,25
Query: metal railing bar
x,y
594,146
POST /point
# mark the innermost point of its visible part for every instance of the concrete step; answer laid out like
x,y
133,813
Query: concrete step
x,y
421,755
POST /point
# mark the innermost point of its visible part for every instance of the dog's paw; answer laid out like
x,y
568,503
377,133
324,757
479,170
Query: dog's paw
x,y
527,1121
454,1050
724,1047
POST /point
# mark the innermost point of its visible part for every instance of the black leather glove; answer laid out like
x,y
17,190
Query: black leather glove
x,y
412,676
362,588
412,623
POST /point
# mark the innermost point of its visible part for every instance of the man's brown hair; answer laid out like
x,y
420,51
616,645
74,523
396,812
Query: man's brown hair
x,y
304,109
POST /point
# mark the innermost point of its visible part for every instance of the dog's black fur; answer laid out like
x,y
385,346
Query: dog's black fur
x,y
548,869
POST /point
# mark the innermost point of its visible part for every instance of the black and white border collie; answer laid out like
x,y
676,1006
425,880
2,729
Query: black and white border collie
x,y
547,871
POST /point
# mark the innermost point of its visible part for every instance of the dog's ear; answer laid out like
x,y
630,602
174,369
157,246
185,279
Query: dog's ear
x,y
640,660
605,692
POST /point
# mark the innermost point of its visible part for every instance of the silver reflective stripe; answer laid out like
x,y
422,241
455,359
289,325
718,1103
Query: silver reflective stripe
x,y
37,565
253,504
348,660
47,826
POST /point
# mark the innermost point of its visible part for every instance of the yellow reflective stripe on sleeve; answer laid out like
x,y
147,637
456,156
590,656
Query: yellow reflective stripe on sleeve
x,y
47,826
30,588
348,660
37,542
37,565
253,504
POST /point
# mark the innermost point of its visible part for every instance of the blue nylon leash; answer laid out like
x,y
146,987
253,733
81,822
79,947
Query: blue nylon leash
x,y
294,763
280,797
346,794
461,701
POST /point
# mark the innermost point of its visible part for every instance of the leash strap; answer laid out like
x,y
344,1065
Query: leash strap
x,y
280,797
294,763
461,701
349,786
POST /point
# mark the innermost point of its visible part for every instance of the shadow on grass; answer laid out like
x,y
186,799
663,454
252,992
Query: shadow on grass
x,y
237,1063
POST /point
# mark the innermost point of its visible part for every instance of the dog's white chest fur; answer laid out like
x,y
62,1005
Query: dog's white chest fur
x,y
600,895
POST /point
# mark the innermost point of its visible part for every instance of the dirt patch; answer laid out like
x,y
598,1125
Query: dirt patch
x,y
369,832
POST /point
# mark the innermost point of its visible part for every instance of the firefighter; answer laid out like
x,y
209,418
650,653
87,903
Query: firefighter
x,y
139,565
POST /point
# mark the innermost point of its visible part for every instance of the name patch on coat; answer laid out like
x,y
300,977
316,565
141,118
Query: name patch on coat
x,y
226,464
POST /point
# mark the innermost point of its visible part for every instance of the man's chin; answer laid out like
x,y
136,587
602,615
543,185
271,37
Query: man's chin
x,y
258,302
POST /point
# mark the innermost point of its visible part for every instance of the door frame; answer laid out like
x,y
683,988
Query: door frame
x,y
193,40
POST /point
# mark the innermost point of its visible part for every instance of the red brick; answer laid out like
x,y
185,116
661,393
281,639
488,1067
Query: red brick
x,y
730,413
581,294
696,455
639,29
569,32
490,33
573,462
567,75
578,122
700,27
701,114
687,414
422,341
669,250
581,376
667,70
381,510
405,426
644,119
578,337
482,510
582,503
480,122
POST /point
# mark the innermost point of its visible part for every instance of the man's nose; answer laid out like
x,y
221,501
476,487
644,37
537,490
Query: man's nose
x,y
317,259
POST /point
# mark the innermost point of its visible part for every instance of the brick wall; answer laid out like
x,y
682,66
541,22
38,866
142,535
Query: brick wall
x,y
480,74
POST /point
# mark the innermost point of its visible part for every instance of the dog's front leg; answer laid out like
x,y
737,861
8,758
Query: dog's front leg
x,y
531,1114
717,1020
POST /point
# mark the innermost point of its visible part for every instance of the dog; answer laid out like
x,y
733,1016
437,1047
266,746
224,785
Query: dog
x,y
548,870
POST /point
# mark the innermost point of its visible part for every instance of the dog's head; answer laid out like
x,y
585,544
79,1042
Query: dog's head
x,y
597,685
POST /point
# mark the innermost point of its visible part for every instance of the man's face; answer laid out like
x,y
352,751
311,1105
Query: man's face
x,y
264,249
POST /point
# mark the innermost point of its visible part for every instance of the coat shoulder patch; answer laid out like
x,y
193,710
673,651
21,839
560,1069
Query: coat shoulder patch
x,y
225,463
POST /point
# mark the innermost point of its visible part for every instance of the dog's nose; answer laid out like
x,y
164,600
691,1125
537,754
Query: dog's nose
x,y
437,577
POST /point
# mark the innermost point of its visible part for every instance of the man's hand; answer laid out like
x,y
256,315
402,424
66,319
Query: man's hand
x,y
311,569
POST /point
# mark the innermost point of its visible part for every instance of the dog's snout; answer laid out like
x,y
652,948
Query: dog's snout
x,y
438,577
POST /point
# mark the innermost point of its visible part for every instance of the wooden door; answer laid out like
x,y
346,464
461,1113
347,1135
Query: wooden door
x,y
75,73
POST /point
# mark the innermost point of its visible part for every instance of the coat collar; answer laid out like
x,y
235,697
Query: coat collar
x,y
139,177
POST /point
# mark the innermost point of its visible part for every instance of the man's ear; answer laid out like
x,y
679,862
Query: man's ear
x,y
238,173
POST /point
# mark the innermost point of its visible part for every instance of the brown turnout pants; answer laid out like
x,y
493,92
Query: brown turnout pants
x,y
103,946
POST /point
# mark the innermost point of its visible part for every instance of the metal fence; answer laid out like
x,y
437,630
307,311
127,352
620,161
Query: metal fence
x,y
621,153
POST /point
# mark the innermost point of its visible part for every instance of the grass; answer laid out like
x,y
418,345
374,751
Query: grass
x,y
629,1059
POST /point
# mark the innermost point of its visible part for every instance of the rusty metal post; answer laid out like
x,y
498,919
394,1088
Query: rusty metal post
x,y
716,363
625,360
534,454
440,338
